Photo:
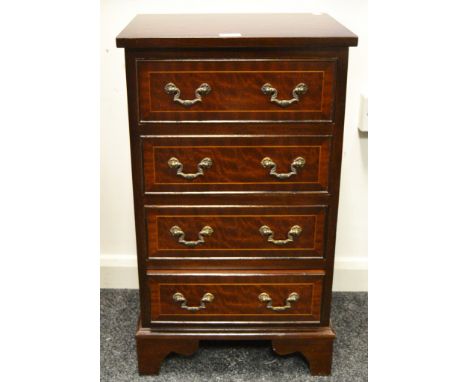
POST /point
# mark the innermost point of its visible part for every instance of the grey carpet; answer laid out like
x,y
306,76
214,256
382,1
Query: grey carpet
x,y
231,361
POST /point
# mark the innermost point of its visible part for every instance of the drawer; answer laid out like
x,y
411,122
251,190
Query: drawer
x,y
235,232
247,296
236,164
200,90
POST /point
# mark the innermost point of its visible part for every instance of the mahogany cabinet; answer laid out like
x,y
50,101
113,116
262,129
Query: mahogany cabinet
x,y
236,128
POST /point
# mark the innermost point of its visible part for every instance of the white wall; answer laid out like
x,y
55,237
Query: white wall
x,y
118,249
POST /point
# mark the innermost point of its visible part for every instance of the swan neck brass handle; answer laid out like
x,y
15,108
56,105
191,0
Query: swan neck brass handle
x,y
299,162
273,93
171,89
180,298
295,231
203,165
265,297
176,231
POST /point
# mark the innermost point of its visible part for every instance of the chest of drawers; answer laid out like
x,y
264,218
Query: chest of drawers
x,y
236,128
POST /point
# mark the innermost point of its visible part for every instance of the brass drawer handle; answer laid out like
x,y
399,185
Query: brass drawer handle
x,y
271,91
179,297
203,89
299,162
204,164
265,297
295,230
176,231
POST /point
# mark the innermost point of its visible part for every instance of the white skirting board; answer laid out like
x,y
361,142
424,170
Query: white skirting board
x,y
120,271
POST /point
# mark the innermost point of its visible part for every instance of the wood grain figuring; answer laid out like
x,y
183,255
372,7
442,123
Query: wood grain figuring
x,y
239,232
236,163
235,297
235,231
235,89
236,125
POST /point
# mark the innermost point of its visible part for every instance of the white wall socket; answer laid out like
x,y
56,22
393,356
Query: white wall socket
x,y
363,114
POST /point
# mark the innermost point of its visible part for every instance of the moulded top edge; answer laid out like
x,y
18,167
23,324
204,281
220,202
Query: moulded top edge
x,y
234,30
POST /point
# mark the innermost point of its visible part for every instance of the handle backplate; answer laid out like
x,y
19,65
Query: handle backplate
x,y
295,231
265,297
180,298
204,164
176,231
203,89
299,162
273,93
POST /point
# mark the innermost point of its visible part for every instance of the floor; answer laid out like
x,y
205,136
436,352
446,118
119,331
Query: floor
x,y
231,361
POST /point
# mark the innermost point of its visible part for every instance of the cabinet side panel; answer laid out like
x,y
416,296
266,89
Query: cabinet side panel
x,y
137,179
334,182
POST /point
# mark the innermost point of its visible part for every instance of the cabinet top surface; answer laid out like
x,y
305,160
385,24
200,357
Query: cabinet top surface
x,y
234,30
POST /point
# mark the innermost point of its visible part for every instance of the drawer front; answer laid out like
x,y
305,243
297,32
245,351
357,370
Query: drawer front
x,y
236,296
178,90
233,232
236,164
